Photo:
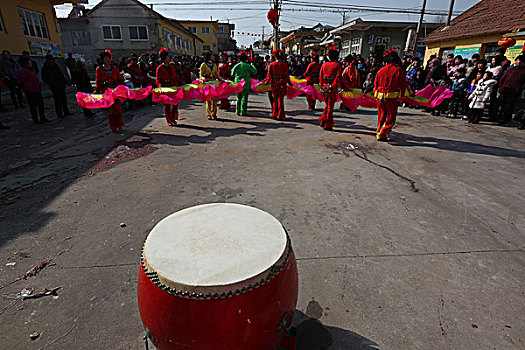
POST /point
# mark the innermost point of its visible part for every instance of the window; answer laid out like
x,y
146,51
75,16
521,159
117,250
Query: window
x,y
138,33
206,47
193,30
221,29
356,45
490,50
205,30
80,38
111,33
191,45
2,29
33,23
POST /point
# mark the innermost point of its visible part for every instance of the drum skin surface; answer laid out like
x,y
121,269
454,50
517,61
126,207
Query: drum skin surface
x,y
250,320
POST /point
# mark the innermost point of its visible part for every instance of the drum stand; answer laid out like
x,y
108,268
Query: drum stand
x,y
288,341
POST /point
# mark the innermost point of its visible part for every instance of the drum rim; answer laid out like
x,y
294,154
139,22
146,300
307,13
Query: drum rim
x,y
224,291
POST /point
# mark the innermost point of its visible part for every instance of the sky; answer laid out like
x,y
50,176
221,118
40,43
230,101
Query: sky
x,y
249,16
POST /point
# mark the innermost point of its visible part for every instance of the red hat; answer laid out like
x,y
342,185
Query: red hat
x,y
276,52
163,50
314,54
389,52
224,53
109,51
332,49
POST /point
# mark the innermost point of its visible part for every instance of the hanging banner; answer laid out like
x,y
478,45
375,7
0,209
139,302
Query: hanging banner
x,y
38,48
467,52
514,51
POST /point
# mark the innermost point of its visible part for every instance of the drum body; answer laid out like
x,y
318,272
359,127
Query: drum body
x,y
251,314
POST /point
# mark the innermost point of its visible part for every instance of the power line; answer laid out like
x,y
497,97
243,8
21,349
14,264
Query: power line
x,y
294,6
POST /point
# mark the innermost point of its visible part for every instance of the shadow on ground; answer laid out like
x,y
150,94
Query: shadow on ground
x,y
313,335
407,140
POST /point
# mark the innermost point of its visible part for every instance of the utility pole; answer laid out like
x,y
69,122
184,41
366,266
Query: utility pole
x,y
276,6
344,17
419,24
262,39
450,9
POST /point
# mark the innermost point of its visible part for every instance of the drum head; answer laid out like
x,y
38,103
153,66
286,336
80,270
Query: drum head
x,y
214,245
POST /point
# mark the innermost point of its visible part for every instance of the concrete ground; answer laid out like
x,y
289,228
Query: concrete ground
x,y
380,265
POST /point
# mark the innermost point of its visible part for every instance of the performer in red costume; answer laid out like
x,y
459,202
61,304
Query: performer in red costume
x,y
351,77
312,77
167,76
225,70
108,76
278,76
330,81
390,85
137,77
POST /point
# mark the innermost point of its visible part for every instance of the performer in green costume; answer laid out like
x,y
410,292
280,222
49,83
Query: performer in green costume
x,y
243,70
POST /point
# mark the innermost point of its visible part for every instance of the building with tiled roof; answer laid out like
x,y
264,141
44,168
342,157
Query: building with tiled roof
x,y
479,29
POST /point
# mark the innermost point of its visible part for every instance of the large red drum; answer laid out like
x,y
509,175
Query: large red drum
x,y
217,276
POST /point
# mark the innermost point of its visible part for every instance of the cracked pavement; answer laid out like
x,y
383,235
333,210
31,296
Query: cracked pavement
x,y
380,264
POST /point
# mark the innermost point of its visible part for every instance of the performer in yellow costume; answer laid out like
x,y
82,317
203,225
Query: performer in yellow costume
x,y
209,72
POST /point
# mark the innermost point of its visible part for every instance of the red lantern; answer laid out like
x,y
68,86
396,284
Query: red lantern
x,y
272,16
507,42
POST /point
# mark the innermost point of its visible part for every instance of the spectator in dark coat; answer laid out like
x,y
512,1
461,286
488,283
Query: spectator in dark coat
x,y
511,84
435,73
28,81
55,79
10,69
83,83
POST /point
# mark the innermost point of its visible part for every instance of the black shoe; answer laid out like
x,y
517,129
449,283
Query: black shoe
x,y
3,110
2,126
521,127
44,120
68,113
60,116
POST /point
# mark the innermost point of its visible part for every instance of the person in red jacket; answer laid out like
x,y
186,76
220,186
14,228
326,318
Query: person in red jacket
x,y
167,76
225,70
390,85
351,77
278,76
137,77
108,76
330,81
312,77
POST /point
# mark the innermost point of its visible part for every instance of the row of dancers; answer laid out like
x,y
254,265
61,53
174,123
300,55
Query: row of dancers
x,y
390,85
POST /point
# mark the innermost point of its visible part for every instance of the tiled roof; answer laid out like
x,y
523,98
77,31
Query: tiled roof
x,y
486,17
